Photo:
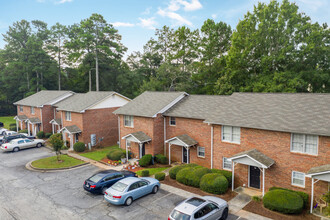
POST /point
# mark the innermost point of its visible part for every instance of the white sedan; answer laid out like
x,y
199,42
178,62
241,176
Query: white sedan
x,y
22,143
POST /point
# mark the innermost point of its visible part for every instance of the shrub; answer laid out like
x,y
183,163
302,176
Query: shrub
x,y
23,131
283,201
174,170
145,160
145,173
225,173
183,175
56,142
115,154
47,135
41,134
160,176
196,176
12,127
303,195
159,158
214,183
79,147
64,147
256,198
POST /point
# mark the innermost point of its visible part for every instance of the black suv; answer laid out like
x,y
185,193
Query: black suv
x,y
8,138
1,124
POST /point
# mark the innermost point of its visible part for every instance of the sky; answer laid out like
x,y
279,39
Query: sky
x,y
136,20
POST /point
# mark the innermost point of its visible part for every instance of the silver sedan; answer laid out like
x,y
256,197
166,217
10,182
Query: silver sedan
x,y
22,143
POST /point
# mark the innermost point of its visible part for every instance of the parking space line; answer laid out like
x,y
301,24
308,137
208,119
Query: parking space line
x,y
162,197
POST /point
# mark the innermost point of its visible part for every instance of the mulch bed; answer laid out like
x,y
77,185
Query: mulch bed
x,y
168,181
258,208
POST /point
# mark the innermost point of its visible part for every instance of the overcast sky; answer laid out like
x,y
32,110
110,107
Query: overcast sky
x,y
137,20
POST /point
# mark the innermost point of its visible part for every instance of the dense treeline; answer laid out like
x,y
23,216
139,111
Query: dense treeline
x,y
273,49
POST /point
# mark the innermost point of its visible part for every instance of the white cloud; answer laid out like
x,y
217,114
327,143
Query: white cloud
x,y
148,23
174,5
122,24
63,1
179,20
147,11
191,5
214,16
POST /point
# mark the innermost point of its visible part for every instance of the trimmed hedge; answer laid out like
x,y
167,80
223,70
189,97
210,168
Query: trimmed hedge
x,y
144,173
145,160
160,176
23,131
183,175
283,201
79,147
47,135
174,170
226,173
160,158
41,134
196,176
115,154
214,183
303,195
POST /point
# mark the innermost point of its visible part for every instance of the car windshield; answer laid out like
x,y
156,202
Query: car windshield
x,y
96,178
179,215
118,186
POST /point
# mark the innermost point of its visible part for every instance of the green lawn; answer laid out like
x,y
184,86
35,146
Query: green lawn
x,y
98,154
152,171
7,120
51,162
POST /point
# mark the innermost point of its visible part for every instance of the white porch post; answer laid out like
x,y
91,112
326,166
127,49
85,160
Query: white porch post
x,y
16,125
71,141
126,149
28,127
21,125
169,153
140,146
187,155
232,177
263,182
211,146
312,196
64,137
53,127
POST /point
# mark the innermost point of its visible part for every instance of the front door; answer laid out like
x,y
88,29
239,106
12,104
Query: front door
x,y
184,155
254,177
143,149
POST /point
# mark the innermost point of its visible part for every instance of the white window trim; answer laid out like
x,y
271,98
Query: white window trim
x,y
198,152
294,184
171,120
32,112
20,108
304,145
223,164
66,118
234,142
132,118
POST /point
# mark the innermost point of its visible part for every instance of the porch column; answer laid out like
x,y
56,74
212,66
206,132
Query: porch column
x,y
64,137
16,125
169,153
53,128
71,141
140,150
263,182
126,150
312,196
28,127
232,177
187,155
21,125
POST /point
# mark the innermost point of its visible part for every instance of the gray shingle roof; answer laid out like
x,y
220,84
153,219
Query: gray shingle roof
x,y
186,139
319,169
72,129
57,121
81,101
290,112
21,117
140,136
258,156
149,103
34,120
41,98
196,106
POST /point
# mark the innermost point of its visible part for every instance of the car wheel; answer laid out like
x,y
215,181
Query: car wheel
x,y
103,190
224,214
39,145
16,149
128,201
3,133
155,189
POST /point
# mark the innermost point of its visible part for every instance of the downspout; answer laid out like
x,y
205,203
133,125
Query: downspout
x,y
164,136
211,146
42,124
119,134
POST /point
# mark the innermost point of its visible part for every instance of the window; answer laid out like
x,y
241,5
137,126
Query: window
x,y
205,210
298,178
133,186
226,164
20,142
128,121
32,110
304,143
201,151
172,121
68,116
21,108
231,134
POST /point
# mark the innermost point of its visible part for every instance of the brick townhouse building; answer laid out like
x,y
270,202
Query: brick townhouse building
x,y
86,116
265,139
34,112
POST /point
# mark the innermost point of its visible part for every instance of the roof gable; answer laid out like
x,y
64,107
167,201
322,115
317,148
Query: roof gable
x,y
44,97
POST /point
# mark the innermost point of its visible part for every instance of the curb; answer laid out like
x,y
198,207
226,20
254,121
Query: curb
x,y
32,168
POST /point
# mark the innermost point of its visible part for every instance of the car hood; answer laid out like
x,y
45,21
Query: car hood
x,y
217,200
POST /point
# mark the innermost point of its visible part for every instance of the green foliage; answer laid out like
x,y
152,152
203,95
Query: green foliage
x,y
256,198
195,177
145,160
64,147
79,147
303,195
214,183
160,176
115,154
160,158
56,142
23,131
174,170
144,173
326,197
47,135
12,127
183,175
41,134
226,173
283,201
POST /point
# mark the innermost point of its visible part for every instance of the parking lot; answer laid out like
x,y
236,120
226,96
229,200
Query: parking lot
x,y
26,194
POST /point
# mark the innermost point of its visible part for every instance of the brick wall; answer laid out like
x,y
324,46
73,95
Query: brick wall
x,y
47,116
76,119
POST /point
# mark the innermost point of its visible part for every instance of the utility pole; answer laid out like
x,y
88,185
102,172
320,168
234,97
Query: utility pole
x,y
90,80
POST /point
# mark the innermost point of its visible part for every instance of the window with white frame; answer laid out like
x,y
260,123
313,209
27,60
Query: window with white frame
x,y
128,121
226,164
172,121
298,179
21,108
303,143
68,116
32,110
231,134
200,151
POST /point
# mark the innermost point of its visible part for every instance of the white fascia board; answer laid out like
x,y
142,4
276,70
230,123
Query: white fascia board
x,y
245,155
315,174
113,94
171,104
131,136
176,138
60,98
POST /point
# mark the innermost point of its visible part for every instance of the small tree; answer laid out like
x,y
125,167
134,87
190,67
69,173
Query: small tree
x,y
56,141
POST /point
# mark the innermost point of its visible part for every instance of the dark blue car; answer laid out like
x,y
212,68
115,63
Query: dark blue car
x,y
101,181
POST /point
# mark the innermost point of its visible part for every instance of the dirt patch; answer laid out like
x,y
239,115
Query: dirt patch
x,y
258,208
168,181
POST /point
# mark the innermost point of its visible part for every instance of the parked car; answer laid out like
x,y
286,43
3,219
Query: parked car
x,y
18,144
129,189
8,138
1,124
206,208
101,181
3,131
